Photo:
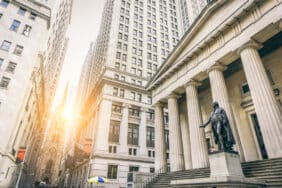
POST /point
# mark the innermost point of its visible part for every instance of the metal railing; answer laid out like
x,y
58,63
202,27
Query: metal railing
x,y
150,180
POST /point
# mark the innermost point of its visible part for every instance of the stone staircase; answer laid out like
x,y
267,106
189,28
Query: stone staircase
x,y
268,170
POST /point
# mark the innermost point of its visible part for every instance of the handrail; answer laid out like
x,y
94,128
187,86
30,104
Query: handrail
x,y
150,180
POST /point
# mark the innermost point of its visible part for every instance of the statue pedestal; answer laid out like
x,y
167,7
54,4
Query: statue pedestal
x,y
226,171
225,164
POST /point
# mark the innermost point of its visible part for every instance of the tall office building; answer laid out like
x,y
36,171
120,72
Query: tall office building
x,y
56,48
135,38
85,75
24,25
190,10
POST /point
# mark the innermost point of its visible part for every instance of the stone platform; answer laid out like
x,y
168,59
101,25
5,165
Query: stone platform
x,y
226,171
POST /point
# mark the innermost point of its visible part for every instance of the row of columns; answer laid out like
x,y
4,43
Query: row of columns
x,y
264,101
124,130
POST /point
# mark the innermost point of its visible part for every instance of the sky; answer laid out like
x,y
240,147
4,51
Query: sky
x,y
84,28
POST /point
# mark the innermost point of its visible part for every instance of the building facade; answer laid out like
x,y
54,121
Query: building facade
x,y
24,27
190,10
135,38
230,55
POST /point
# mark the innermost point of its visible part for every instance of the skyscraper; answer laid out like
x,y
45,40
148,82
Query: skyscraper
x,y
56,48
189,10
24,27
135,38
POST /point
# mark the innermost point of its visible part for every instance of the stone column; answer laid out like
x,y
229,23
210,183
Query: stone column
x,y
175,140
185,136
142,134
160,149
123,130
266,106
102,135
220,94
199,150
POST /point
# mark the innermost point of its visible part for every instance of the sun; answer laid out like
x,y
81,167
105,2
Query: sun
x,y
68,114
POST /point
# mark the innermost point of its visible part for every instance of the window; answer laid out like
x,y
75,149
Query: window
x,y
21,11
118,55
149,100
32,16
116,76
132,136
121,93
151,153
6,45
15,25
114,132
18,50
112,149
139,97
133,169
115,91
124,57
150,138
26,30
112,171
4,82
1,61
245,88
11,67
132,151
116,108
150,115
123,67
4,3
133,94
139,72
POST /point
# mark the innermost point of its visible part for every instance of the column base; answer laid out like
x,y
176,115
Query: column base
x,y
226,171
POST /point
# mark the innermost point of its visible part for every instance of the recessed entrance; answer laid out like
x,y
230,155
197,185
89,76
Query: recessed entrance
x,y
259,136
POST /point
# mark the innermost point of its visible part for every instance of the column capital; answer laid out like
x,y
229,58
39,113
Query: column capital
x,y
173,95
250,44
158,104
217,66
192,82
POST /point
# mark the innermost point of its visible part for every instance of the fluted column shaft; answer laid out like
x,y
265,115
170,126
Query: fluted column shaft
x,y
142,134
220,94
199,151
124,129
175,140
185,133
160,149
266,106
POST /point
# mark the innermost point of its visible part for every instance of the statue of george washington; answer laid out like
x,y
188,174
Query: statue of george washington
x,y
223,136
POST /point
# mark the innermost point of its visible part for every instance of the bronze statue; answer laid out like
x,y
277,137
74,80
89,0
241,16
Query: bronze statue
x,y
222,132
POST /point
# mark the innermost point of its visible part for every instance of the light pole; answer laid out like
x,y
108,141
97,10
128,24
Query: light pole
x,y
21,169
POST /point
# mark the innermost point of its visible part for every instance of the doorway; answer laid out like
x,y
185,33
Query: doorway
x,y
259,136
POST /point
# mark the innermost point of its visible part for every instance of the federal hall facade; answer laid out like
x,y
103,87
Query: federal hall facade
x,y
231,54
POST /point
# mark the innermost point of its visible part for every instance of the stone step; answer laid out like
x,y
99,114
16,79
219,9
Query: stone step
x,y
259,173
267,170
